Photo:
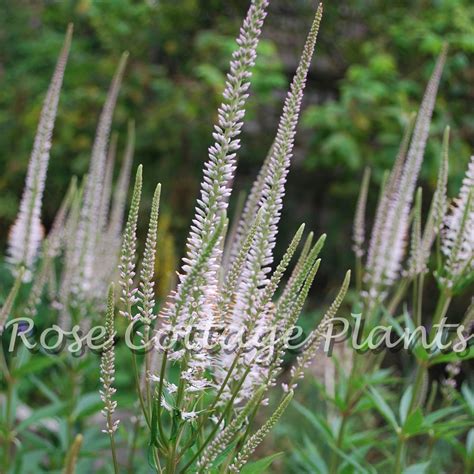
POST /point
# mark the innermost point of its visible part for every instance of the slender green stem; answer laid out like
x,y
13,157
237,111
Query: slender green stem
x,y
8,425
440,312
139,392
399,455
334,461
397,297
112,444
133,447
160,395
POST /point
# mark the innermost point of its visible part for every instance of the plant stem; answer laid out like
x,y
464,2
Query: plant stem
x,y
133,447
397,297
334,462
139,392
112,443
440,312
419,301
399,455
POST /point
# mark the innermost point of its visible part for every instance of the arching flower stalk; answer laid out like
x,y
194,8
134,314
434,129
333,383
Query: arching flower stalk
x,y
26,233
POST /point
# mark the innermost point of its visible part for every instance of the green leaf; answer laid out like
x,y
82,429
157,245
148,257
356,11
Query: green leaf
x,y
314,456
36,364
432,418
470,444
453,356
87,404
468,395
420,468
405,404
40,414
221,458
414,423
383,407
260,466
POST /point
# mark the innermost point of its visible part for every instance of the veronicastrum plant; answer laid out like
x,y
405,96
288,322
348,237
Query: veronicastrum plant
x,y
199,401
197,398
419,414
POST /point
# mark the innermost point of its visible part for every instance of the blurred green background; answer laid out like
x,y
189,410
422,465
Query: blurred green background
x,y
372,62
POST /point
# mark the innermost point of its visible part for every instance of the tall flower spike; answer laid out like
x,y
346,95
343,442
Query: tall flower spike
x,y
27,232
88,232
458,238
219,169
390,183
129,250
261,255
358,233
107,366
106,252
219,172
146,292
252,443
389,247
